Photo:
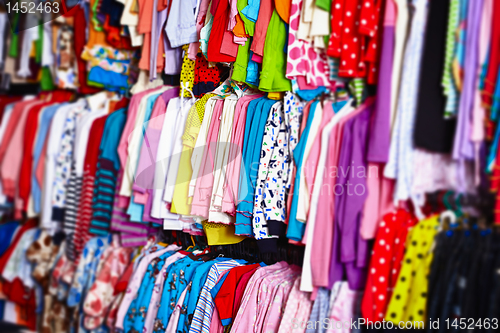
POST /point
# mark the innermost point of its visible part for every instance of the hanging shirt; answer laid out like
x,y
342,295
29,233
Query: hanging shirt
x,y
135,282
180,199
253,138
349,249
400,161
295,228
45,124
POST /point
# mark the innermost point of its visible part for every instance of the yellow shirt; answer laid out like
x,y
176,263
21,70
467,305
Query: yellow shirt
x,y
409,299
180,204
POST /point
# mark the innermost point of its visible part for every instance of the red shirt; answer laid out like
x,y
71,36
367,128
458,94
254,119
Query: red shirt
x,y
219,28
11,126
493,59
385,263
24,186
226,296
30,224
90,166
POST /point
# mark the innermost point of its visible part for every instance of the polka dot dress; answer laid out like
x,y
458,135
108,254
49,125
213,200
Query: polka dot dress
x,y
187,72
206,78
354,38
303,59
353,43
409,298
388,252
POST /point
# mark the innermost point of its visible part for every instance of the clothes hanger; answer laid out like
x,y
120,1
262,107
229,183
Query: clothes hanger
x,y
448,217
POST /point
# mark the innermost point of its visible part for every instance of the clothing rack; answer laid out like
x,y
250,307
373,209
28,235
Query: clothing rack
x,y
246,249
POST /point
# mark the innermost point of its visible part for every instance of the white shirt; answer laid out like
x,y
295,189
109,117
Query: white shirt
x,y
131,20
221,161
173,126
304,193
401,31
82,137
53,143
18,265
177,149
135,139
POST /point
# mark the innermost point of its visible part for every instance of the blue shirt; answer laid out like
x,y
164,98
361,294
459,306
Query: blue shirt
x,y
296,228
136,210
198,280
106,174
43,128
248,180
138,308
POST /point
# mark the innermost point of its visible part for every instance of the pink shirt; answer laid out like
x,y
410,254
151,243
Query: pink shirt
x,y
379,200
312,160
269,313
140,198
147,158
200,22
129,125
234,161
40,167
205,181
248,310
298,307
259,38
11,163
228,46
17,111
174,317
323,229
277,304
216,325
390,13
233,11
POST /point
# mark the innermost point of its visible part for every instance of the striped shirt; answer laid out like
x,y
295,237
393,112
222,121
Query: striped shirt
x,y
202,316
106,176
131,233
75,183
73,192
449,87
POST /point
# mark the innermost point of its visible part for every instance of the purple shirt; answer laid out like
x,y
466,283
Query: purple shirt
x,y
380,132
350,250
147,159
463,147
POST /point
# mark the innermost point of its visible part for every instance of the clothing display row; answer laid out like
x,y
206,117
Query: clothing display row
x,y
329,128
160,288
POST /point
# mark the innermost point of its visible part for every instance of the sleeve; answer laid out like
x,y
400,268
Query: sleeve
x,y
181,24
204,301
266,163
251,11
